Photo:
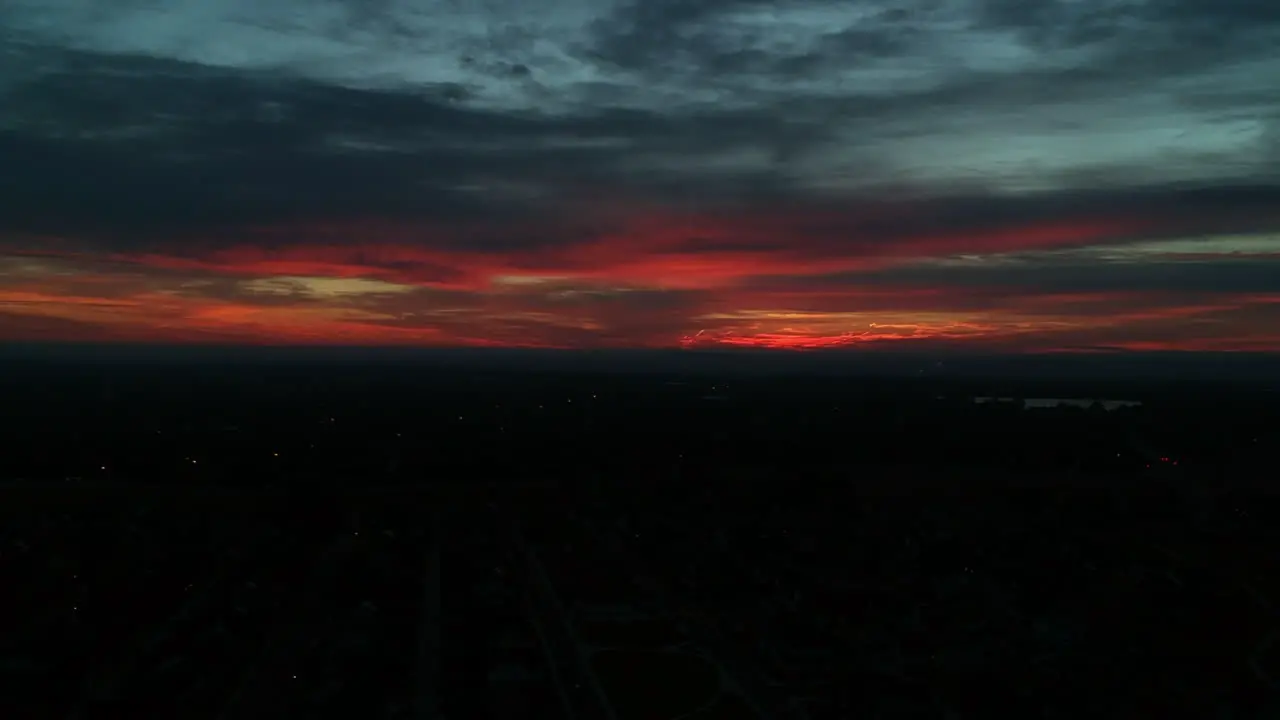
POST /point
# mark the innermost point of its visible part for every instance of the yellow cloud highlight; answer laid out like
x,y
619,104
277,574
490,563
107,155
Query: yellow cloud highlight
x,y
321,288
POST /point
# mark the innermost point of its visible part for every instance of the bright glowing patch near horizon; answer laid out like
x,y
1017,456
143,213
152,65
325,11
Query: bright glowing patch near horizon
x,y
322,287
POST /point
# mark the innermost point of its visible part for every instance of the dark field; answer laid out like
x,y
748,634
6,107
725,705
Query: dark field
x,y
793,551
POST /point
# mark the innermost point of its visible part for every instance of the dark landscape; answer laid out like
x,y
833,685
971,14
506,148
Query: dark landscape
x,y
247,539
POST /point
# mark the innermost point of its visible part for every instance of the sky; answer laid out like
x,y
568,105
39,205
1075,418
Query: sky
x,y
1003,175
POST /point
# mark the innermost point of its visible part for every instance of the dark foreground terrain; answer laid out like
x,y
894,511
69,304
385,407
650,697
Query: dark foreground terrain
x,y
310,543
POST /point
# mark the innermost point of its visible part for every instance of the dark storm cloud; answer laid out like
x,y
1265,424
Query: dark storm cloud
x,y
133,131
1080,22
1243,275
133,146
140,145
672,37
1132,39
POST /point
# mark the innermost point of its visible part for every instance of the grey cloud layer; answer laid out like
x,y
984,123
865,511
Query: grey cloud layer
x,y
140,118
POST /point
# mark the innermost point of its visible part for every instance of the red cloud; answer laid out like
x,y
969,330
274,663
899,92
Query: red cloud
x,y
659,250
758,279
